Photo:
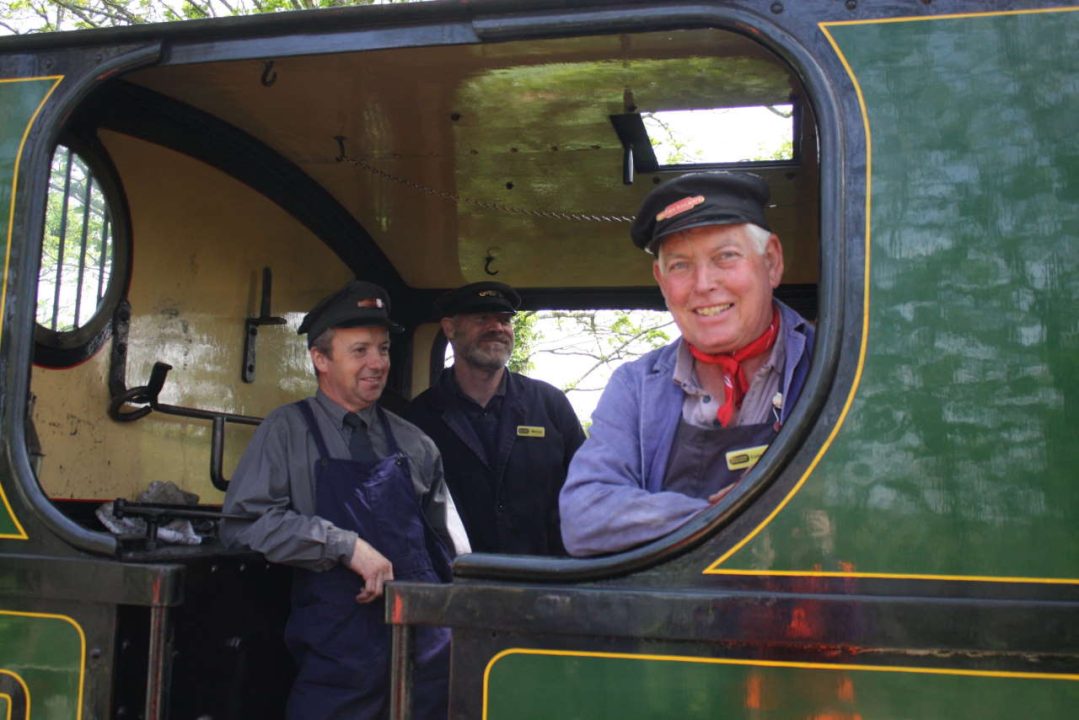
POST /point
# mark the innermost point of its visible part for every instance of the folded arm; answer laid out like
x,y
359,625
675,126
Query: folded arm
x,y
604,504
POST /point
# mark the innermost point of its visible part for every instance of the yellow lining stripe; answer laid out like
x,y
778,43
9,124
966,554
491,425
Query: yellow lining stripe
x,y
6,697
21,532
895,576
82,655
714,568
952,16
768,664
10,700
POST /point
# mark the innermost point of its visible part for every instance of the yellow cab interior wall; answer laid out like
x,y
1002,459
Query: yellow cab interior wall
x,y
795,212
423,340
543,171
457,154
200,241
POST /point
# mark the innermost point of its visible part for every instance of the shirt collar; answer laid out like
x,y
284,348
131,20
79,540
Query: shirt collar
x,y
499,393
685,376
775,357
337,413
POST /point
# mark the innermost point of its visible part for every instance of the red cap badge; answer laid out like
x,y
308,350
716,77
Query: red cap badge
x,y
680,206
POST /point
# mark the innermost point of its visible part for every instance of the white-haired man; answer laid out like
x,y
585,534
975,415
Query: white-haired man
x,y
676,428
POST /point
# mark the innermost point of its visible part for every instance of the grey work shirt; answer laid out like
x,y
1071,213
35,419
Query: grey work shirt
x,y
275,479
758,406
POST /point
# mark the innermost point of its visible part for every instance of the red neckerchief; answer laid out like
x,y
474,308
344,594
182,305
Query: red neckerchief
x,y
735,383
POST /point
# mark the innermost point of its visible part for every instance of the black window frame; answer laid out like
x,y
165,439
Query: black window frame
x,y
65,348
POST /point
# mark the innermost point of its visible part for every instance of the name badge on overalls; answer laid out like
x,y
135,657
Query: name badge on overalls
x,y
531,431
744,458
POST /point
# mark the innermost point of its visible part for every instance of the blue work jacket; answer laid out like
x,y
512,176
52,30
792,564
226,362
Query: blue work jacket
x,y
613,497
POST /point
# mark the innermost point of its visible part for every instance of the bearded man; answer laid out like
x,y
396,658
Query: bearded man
x,y
506,439
678,427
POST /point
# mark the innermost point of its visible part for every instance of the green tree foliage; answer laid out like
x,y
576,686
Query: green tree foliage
x,y
784,150
675,149
524,334
577,350
682,138
589,343
76,250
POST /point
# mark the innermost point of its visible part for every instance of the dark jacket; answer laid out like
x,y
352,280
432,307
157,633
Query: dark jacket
x,y
510,506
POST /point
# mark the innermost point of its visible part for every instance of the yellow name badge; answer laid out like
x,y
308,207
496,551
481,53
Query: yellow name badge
x,y
531,431
744,458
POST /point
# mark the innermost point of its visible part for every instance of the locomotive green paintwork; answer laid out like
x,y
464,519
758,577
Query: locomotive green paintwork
x,y
631,686
959,424
913,556
20,102
46,654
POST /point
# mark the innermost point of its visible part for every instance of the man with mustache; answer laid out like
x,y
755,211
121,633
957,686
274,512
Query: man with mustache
x,y
678,427
506,439
351,496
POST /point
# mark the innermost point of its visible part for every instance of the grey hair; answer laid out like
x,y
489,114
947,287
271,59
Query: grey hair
x,y
324,344
759,236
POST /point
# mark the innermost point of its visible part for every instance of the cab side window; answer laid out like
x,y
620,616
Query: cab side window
x,y
84,252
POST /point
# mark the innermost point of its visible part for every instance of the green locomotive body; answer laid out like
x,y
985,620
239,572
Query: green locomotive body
x,y
906,548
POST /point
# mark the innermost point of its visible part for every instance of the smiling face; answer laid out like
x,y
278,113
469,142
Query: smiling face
x,y
718,286
354,373
482,340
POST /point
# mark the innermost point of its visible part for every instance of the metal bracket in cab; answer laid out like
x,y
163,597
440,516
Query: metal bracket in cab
x,y
251,327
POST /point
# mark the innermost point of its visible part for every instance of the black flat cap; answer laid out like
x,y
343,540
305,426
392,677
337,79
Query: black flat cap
x,y
478,297
358,303
696,200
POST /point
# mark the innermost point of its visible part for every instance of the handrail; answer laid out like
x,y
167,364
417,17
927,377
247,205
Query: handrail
x,y
147,396
157,514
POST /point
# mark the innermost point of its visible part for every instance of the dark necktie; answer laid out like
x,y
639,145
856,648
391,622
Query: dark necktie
x,y
359,443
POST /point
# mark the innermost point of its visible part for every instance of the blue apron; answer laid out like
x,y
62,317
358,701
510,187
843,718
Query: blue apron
x,y
342,648
705,460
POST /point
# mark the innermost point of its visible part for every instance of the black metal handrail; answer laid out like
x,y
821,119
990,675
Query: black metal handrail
x,y
158,514
147,396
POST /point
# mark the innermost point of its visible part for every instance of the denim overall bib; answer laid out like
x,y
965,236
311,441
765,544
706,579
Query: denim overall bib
x,y
706,460
342,648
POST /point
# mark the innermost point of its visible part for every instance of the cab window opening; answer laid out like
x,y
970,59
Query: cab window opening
x,y
576,350
84,252
516,210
